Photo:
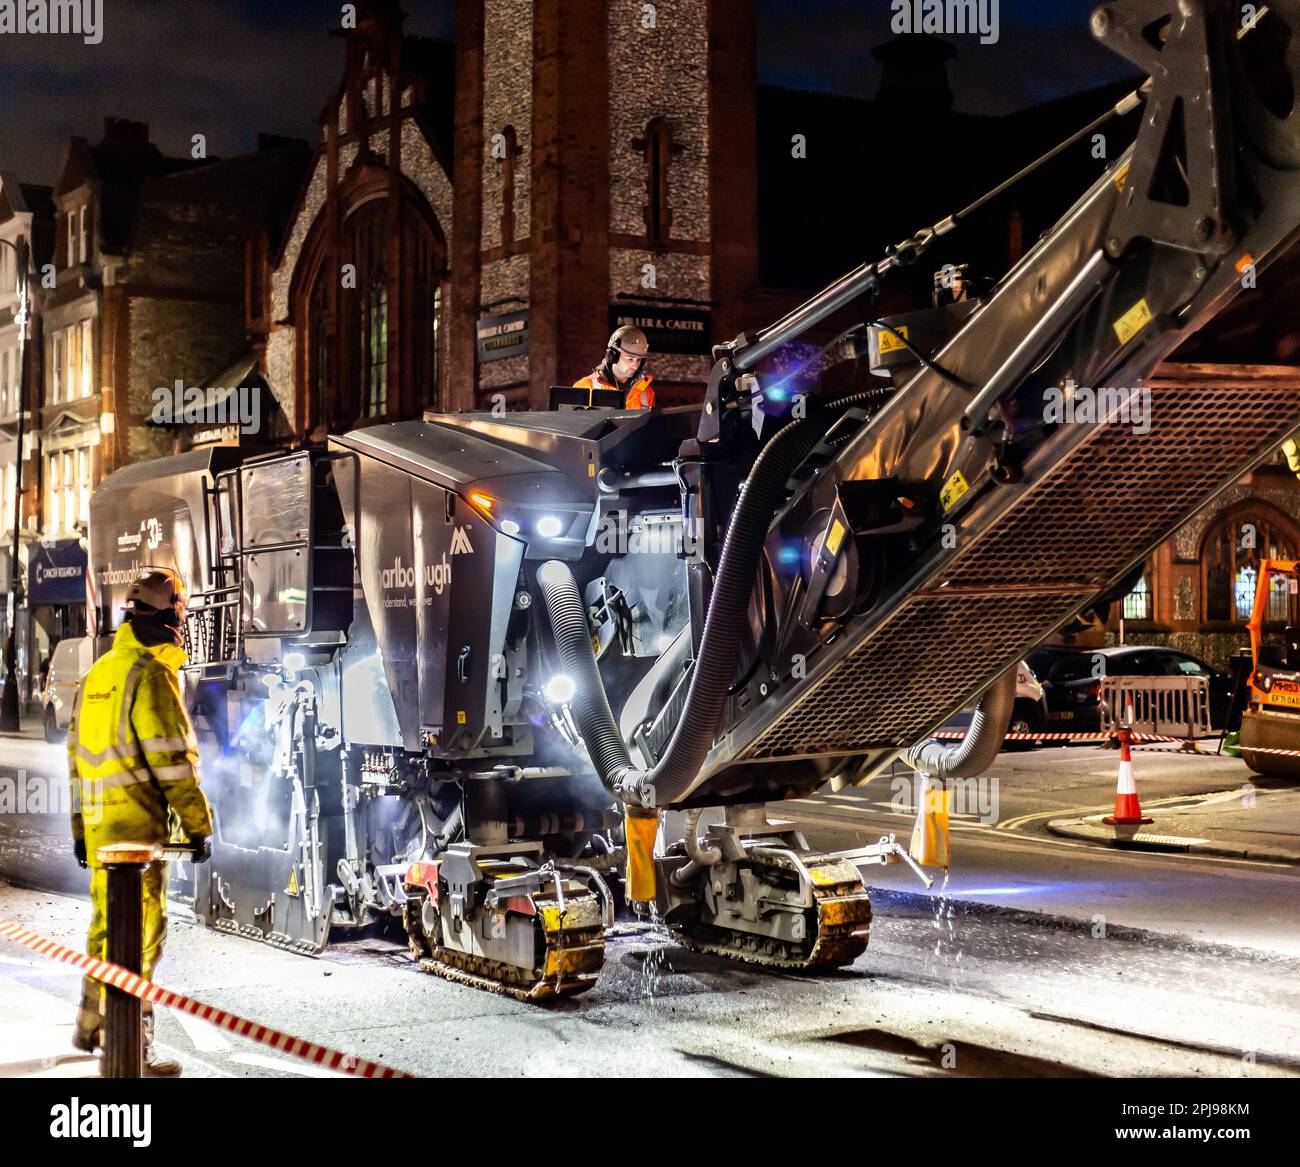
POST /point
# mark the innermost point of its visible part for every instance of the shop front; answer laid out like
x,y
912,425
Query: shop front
x,y
56,601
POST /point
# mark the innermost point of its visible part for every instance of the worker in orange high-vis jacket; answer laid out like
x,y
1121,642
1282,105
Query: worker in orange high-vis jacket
x,y
132,761
624,369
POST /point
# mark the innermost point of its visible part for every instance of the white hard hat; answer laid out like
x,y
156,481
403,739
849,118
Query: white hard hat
x,y
630,340
156,588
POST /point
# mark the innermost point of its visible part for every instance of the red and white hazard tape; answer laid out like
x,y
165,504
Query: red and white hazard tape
x,y
1095,736
959,734
1271,750
129,982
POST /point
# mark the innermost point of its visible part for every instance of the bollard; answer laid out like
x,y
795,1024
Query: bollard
x,y
125,864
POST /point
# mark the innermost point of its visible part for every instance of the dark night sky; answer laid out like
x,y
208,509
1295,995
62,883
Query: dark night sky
x,y
229,68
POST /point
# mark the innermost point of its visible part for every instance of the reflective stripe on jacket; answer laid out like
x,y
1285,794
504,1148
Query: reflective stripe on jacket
x,y
639,396
132,753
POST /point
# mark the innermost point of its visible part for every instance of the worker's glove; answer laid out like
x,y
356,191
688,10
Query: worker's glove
x,y
202,849
79,850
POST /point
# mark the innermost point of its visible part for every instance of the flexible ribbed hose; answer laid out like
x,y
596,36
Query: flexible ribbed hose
x,y
763,492
988,730
703,855
590,705
760,496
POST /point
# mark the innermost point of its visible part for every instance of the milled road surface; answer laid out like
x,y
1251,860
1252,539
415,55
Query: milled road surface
x,y
1058,958
1011,860
934,995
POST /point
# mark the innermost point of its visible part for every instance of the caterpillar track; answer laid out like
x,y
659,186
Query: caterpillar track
x,y
566,928
832,931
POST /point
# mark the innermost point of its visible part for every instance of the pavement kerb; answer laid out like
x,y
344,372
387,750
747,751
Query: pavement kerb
x,y
1092,830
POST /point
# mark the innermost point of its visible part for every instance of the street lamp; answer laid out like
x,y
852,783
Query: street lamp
x,y
9,719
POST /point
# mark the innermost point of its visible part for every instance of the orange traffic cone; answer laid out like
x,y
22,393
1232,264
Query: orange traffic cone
x,y
1128,811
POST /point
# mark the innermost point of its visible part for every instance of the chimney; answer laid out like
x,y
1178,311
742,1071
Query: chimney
x,y
124,132
914,74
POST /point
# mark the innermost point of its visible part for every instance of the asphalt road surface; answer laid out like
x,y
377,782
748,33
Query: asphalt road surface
x,y
1049,957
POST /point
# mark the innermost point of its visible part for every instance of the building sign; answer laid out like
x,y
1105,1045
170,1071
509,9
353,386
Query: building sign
x,y
670,330
502,336
56,573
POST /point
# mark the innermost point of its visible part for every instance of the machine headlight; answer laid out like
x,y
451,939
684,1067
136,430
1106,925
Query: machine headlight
x,y
548,526
559,690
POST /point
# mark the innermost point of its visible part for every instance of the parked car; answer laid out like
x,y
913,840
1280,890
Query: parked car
x,y
1072,684
1046,656
1028,716
72,657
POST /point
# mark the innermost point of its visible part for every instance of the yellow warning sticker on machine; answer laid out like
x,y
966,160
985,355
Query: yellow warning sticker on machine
x,y
835,538
953,489
461,719
1121,177
1133,321
889,343
292,889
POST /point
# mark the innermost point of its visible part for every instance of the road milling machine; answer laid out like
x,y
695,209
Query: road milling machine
x,y
455,668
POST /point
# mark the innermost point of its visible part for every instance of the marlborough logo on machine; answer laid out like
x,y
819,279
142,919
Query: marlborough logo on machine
x,y
460,544
150,535
400,576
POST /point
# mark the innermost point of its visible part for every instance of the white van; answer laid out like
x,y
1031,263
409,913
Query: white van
x,y
72,657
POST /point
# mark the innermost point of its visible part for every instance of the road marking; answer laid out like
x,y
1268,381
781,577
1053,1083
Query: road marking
x,y
206,1038
1014,824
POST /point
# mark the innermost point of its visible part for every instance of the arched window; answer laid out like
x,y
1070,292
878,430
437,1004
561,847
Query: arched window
x,y
1137,604
511,148
368,342
319,330
659,150
368,347
1231,555
427,309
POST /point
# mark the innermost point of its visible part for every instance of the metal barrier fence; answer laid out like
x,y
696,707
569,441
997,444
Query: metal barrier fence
x,y
1177,706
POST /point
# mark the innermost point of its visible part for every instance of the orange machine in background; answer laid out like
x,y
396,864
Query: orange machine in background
x,y
1270,723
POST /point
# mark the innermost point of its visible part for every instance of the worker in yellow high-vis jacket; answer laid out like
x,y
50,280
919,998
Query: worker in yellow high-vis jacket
x,y
132,758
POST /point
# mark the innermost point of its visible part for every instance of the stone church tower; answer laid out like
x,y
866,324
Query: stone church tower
x,y
477,218
604,171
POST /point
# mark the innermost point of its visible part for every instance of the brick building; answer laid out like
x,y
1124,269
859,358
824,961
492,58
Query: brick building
x,y
1197,588
606,159
26,225
139,283
442,260
347,309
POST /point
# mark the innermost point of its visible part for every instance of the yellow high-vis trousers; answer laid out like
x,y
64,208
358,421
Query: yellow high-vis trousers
x,y
153,933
